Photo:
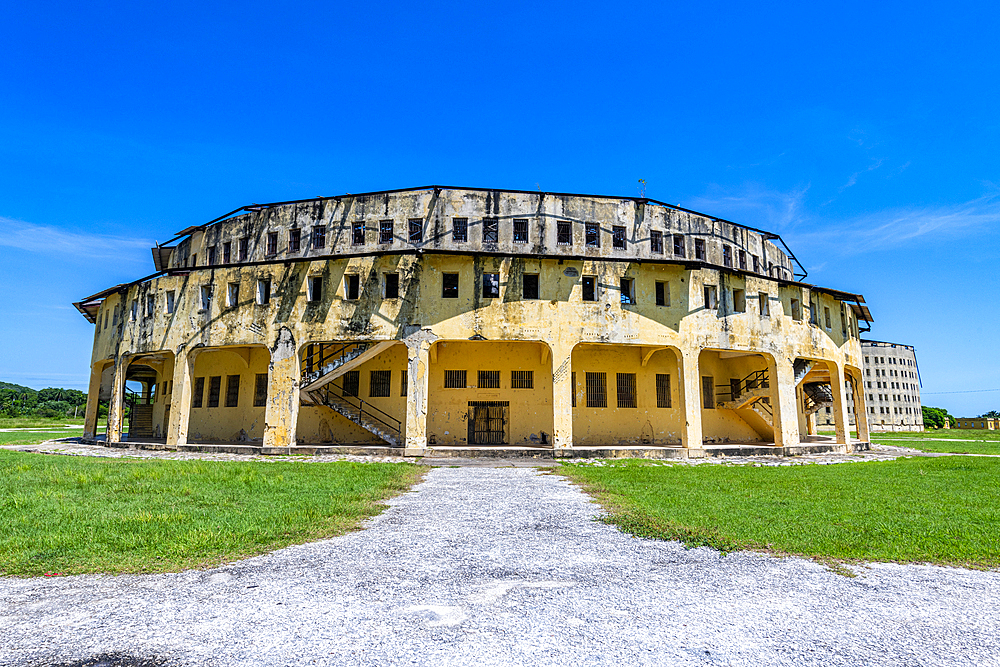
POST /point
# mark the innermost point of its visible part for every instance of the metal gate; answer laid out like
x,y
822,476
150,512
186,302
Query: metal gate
x,y
488,422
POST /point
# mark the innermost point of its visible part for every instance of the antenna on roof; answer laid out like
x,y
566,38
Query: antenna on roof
x,y
642,188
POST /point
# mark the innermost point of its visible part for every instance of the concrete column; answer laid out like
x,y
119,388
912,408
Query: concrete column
x,y
860,410
811,424
117,403
784,403
93,400
839,403
562,397
418,364
281,413
690,395
181,392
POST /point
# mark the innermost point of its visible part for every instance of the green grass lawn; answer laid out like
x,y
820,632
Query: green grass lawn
x,y
73,515
940,510
22,422
35,437
944,440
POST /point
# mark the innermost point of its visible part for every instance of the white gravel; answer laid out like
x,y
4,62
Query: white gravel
x,y
505,566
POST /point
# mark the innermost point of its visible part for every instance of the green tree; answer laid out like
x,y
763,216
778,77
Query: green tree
x,y
935,417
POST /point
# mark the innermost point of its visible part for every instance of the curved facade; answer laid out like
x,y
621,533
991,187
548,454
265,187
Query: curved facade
x,y
446,316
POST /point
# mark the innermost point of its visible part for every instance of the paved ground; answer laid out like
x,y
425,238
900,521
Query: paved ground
x,y
505,566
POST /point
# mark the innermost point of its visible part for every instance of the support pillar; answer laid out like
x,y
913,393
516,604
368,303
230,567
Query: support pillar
x,y
562,397
116,405
181,393
860,409
784,402
690,395
93,401
839,403
281,412
418,364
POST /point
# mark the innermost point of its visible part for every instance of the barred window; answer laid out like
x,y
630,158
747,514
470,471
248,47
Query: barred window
x,y
352,382
564,232
260,390
294,240
679,250
227,252
520,230
358,233
199,392
522,379
626,390
572,384
214,389
211,256
454,380
232,391
460,230
589,288
597,390
707,392
319,237
449,286
529,286
416,230
244,248
403,382
662,390
272,243
627,292
756,264
378,385
491,230
656,242
593,234
618,237
727,255
489,379
743,259
699,249
491,285
385,231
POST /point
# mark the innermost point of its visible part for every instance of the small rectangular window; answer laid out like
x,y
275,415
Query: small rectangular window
x,y
403,382
743,259
662,293
357,233
814,311
628,294
572,388
263,292
244,248
699,249
460,230
392,285
206,297
708,392
272,243
416,230
597,390
522,379
679,249
169,303
454,380
796,310
449,286
489,379
379,383
211,256
727,255
739,301
352,286
756,264
135,310
711,297
618,237
385,231
199,392
194,259
491,230
656,242
529,286
227,252
592,234
150,305
590,288
626,390
520,230
765,305
662,390
232,391
260,390
294,240
826,318
564,232
491,285
318,237
232,295
352,383
316,288
214,390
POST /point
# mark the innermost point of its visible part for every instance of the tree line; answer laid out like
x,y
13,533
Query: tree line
x,y
51,402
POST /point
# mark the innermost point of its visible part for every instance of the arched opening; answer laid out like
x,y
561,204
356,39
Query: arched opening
x,y
738,396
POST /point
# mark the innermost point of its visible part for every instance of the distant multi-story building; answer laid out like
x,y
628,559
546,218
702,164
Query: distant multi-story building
x,y
892,389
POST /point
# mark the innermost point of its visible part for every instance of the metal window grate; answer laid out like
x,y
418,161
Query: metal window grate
x,y
572,384
449,286
416,230
319,237
244,248
385,231
260,390
597,390
454,380
403,382
294,240
272,243
232,391
520,230
656,242
214,389
679,245
488,422
589,288
491,230
727,255
564,232
626,390
592,233
489,379
618,237
522,379
358,233
491,285
708,392
199,392
352,382
378,386
460,230
662,390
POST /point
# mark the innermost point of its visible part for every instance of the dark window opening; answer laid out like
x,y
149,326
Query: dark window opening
x,y
232,391
522,379
352,285
727,255
679,249
211,256
214,389
260,390
662,295
699,249
199,392
708,392
756,264
743,260
597,390
592,232
491,285
491,230
318,237
385,231
626,390
564,232
711,297
358,233
352,383
263,292
626,285
294,240
272,243
590,288
618,237
572,387
460,230
489,379
392,285
244,248
227,252
739,301
449,286
488,421
378,385
520,231
656,242
529,286
316,288
454,380
403,382
662,390
416,230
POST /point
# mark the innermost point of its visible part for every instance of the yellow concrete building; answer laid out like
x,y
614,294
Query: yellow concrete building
x,y
981,423
442,317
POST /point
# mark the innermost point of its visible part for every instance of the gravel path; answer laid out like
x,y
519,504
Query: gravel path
x,y
505,566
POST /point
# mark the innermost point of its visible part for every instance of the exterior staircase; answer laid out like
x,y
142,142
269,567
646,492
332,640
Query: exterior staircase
x,y
802,368
817,395
140,421
750,399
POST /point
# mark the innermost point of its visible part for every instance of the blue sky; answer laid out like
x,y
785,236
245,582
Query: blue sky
x,y
867,134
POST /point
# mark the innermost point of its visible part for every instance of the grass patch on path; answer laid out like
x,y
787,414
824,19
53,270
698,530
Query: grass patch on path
x,y
944,440
77,514
939,510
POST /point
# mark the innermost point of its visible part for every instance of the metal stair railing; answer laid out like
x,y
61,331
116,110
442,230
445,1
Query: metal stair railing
x,y
363,407
318,363
756,380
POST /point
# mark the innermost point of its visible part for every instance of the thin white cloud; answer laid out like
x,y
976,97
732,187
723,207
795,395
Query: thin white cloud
x,y
45,239
854,177
773,210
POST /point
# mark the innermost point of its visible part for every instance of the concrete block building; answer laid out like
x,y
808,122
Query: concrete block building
x,y
444,317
